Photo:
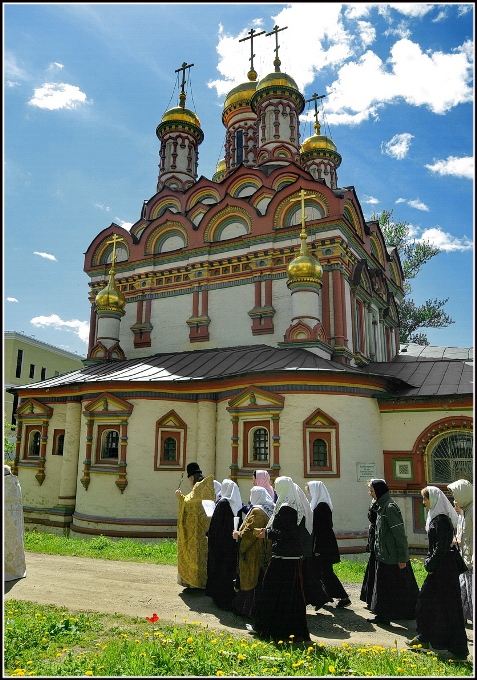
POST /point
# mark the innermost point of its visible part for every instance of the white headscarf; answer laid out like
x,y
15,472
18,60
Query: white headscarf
x,y
291,494
260,498
319,494
217,489
439,504
231,493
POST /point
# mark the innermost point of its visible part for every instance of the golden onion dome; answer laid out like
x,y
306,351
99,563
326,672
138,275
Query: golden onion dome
x,y
277,79
110,298
304,267
241,93
221,166
180,114
317,142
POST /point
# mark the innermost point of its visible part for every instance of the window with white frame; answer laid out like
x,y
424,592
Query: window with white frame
x,y
451,458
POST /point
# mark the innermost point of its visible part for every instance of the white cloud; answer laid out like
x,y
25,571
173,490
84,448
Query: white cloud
x,y
55,66
459,167
123,224
12,83
445,241
47,256
402,30
398,146
80,328
101,206
369,199
413,203
53,96
11,299
323,35
419,205
11,69
442,15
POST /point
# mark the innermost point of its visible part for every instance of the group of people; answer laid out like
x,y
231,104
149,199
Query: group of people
x,y
268,559
444,602
280,542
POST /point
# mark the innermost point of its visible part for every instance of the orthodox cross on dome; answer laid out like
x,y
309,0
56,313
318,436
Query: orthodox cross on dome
x,y
252,74
277,61
314,98
182,96
303,216
115,239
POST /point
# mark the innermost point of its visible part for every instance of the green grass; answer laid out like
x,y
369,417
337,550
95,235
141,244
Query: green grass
x,y
43,640
48,641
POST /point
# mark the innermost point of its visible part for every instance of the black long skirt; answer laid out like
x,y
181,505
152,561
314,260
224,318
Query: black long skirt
x,y
315,592
281,608
367,587
395,592
439,614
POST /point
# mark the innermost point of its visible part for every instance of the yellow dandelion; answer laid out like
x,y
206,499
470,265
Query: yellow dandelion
x,y
400,670
88,672
219,672
190,640
59,654
146,634
29,663
44,640
142,654
332,669
241,657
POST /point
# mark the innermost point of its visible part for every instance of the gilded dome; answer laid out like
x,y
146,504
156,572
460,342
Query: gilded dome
x,y
317,142
221,166
110,298
277,78
304,267
179,114
242,92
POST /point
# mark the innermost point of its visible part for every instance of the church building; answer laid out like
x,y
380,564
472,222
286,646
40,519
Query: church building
x,y
247,321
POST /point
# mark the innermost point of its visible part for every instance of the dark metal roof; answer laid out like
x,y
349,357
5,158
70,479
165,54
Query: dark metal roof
x,y
408,375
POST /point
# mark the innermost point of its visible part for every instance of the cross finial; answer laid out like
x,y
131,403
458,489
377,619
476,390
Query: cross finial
x,y
115,239
314,98
252,74
301,198
276,61
182,96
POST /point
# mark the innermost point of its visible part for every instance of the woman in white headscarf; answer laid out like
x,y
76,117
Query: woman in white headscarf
x,y
281,608
222,552
439,616
325,546
254,553
463,492
14,565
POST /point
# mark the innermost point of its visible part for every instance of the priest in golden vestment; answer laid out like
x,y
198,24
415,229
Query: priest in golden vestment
x,y
192,525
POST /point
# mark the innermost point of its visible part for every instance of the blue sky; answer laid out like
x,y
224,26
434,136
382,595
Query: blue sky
x,y
87,84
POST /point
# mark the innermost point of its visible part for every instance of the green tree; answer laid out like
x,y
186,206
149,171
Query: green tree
x,y
414,254
8,446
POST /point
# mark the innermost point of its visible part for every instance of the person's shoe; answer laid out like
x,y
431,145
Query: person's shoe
x,y
447,656
344,602
417,643
378,619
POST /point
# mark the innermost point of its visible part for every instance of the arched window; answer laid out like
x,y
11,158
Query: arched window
x,y
35,440
312,212
110,447
451,458
169,452
320,453
260,444
60,443
239,144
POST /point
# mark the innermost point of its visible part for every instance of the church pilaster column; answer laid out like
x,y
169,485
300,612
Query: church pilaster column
x,y
325,303
206,435
339,311
69,464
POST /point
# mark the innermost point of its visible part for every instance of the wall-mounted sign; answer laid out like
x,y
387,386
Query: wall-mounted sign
x,y
365,471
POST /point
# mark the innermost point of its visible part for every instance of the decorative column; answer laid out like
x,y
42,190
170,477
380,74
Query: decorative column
x,y
69,464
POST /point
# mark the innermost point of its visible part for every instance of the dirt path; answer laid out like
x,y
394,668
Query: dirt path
x,y
139,589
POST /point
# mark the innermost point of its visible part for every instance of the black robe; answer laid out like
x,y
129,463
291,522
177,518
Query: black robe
x,y
368,580
439,614
222,556
324,542
281,608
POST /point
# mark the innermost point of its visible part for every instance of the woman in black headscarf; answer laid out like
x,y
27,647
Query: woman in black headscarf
x,y
395,588
368,580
